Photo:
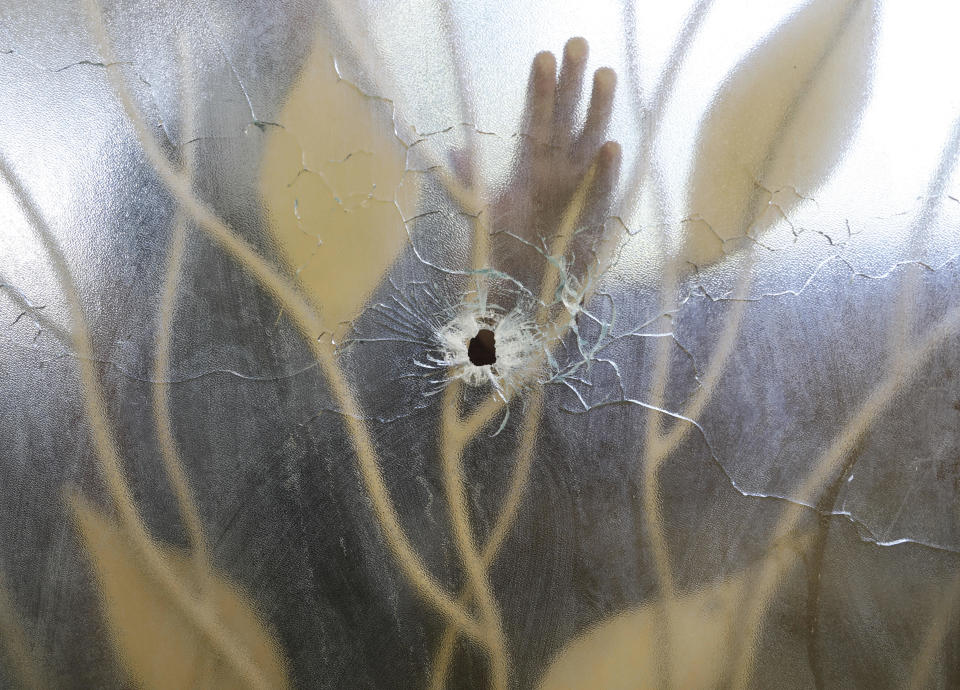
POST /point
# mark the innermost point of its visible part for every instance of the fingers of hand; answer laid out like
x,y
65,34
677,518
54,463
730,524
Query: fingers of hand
x,y
605,182
552,105
543,80
598,114
569,88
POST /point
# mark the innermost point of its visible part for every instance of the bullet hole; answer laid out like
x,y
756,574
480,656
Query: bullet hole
x,y
482,349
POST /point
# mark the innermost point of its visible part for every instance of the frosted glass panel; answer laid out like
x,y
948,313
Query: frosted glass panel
x,y
509,345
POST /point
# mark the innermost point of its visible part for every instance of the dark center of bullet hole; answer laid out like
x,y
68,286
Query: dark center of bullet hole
x,y
482,348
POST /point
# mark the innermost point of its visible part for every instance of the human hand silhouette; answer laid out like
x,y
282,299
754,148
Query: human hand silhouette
x,y
554,158
540,244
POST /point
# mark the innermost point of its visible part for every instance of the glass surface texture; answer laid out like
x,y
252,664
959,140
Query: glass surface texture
x,y
428,344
